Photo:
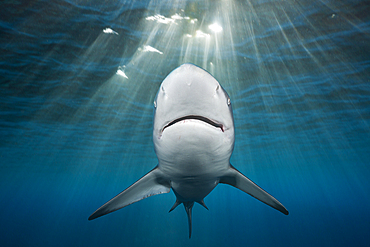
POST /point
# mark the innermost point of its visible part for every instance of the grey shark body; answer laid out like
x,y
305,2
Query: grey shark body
x,y
193,135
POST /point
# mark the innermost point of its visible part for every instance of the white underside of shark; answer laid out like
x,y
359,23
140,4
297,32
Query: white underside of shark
x,y
193,136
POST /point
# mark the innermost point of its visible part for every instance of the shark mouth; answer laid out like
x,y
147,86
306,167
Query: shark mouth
x,y
196,117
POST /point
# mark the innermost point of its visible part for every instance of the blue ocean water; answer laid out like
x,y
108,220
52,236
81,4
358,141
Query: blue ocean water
x,y
78,80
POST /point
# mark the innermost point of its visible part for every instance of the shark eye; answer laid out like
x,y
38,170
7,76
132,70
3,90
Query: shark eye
x,y
228,102
155,104
218,87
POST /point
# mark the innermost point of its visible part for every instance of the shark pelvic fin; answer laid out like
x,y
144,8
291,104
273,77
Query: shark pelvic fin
x,y
177,202
203,204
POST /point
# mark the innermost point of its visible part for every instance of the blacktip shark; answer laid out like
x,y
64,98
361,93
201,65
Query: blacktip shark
x,y
193,137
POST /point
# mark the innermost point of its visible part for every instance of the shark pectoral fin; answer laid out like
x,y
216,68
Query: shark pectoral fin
x,y
153,183
235,178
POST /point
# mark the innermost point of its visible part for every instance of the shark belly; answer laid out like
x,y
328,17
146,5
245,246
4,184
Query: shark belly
x,y
193,154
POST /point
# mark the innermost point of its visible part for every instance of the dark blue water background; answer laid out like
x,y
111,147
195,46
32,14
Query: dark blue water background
x,y
78,79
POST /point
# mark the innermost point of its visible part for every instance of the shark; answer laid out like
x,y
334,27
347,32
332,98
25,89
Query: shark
x,y
193,136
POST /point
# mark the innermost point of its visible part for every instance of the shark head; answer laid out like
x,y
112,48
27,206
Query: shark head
x,y
192,111
192,91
